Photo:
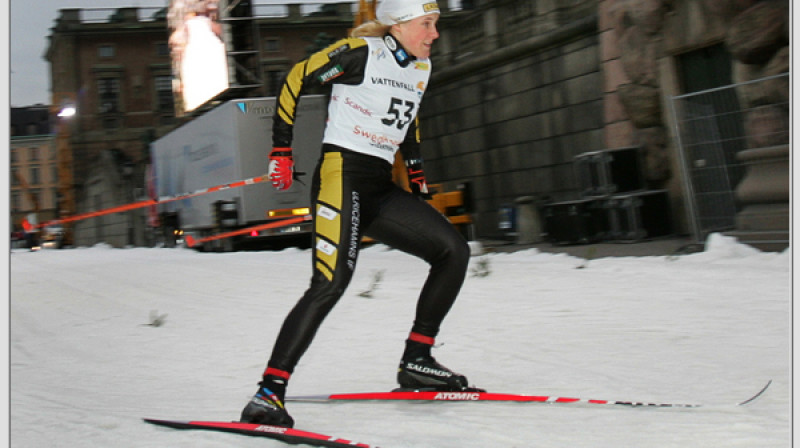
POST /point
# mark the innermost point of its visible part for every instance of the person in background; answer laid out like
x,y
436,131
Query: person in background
x,y
378,78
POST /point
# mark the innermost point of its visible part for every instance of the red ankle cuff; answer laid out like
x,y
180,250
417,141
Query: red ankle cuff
x,y
277,372
421,338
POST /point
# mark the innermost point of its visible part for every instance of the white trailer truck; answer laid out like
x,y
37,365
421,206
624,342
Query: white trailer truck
x,y
228,144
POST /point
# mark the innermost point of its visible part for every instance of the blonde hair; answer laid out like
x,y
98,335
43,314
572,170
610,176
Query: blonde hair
x,y
370,29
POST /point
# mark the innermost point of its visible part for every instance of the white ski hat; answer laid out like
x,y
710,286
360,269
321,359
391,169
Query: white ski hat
x,y
390,12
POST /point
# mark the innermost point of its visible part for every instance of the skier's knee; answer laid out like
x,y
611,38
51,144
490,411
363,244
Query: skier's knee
x,y
455,251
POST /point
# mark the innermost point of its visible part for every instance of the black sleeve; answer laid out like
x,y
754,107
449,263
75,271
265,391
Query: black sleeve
x,y
410,148
341,63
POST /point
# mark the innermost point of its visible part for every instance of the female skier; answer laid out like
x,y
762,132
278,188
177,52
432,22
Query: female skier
x,y
378,77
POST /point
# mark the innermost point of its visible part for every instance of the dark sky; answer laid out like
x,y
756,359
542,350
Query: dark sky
x,y
29,27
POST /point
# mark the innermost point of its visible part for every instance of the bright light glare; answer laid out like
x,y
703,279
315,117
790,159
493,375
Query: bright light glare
x,y
67,112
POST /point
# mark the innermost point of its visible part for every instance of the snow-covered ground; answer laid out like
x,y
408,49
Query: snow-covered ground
x,y
708,328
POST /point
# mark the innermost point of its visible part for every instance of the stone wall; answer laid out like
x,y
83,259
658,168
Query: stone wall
x,y
509,121
109,185
640,42
637,33
758,38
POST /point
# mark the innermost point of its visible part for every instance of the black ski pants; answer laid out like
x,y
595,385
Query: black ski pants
x,y
354,195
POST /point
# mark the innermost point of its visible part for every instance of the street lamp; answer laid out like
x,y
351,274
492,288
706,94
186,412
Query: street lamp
x,y
67,111
65,102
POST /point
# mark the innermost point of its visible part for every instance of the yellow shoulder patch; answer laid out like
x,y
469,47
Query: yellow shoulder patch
x,y
324,56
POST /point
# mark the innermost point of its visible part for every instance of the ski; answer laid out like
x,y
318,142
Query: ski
x,y
474,396
428,395
287,435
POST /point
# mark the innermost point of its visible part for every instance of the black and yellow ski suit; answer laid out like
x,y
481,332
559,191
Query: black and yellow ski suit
x,y
353,192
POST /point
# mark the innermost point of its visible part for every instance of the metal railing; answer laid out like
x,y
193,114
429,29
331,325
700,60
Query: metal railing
x,y
712,127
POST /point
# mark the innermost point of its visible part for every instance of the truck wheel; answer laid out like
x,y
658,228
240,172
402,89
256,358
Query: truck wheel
x,y
169,237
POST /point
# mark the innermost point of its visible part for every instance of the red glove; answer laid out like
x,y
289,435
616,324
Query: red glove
x,y
416,179
281,168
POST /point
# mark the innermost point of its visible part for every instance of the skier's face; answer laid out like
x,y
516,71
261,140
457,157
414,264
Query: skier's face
x,y
417,35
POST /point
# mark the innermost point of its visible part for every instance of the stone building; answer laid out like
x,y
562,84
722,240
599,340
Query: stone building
x,y
34,178
516,93
669,48
522,87
114,66
519,89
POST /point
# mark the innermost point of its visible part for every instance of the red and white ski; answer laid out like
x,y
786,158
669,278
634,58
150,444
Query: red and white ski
x,y
421,395
287,435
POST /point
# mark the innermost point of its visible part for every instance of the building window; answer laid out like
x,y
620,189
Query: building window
x,y
105,51
108,94
13,156
35,196
54,174
272,45
274,79
14,178
33,154
164,99
110,123
162,49
15,201
35,179
706,68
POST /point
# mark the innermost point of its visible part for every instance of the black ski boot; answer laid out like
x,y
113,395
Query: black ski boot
x,y
266,408
419,371
424,373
